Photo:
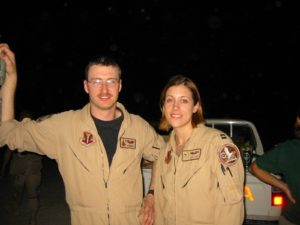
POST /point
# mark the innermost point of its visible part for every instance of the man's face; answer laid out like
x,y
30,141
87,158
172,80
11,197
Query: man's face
x,y
103,86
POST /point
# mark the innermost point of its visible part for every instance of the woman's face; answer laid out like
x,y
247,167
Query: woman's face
x,y
179,106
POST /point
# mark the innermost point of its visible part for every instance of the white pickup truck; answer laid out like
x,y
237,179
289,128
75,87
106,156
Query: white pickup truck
x,y
262,201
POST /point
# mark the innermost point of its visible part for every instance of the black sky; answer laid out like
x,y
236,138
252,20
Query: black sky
x,y
243,55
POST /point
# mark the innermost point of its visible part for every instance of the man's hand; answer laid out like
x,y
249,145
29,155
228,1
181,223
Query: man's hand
x,y
8,88
9,58
146,214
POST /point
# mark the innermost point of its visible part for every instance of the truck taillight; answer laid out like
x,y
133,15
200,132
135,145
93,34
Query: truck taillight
x,y
277,200
277,197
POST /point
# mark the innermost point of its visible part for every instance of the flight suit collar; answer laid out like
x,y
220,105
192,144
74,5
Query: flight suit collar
x,y
86,117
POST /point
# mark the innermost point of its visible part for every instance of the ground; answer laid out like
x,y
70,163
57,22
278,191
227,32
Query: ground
x,y
53,207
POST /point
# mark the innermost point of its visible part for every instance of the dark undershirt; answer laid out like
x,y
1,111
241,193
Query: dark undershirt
x,y
108,132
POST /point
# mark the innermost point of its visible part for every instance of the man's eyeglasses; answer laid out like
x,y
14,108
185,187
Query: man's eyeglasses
x,y
109,82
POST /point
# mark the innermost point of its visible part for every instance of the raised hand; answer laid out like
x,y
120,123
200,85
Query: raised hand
x,y
8,88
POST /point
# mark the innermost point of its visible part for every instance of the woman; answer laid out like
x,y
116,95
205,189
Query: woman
x,y
200,175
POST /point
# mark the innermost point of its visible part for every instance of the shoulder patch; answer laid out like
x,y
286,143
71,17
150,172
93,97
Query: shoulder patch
x,y
228,154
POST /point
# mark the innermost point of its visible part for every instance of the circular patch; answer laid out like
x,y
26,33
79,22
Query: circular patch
x,y
228,154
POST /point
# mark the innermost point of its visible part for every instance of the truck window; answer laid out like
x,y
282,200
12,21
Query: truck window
x,y
242,136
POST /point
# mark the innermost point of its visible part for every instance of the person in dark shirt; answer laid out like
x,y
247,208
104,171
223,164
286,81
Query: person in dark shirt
x,y
283,159
25,170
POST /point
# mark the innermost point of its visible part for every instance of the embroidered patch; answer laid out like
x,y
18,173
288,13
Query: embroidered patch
x,y
128,143
191,155
168,157
87,138
228,154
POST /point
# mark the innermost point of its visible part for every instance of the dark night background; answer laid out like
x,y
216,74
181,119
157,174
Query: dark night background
x,y
243,55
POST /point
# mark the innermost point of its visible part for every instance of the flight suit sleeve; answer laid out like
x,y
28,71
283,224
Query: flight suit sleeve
x,y
5,129
30,135
153,144
230,176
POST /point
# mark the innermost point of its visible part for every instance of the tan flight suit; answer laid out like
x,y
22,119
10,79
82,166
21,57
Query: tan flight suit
x,y
96,193
204,185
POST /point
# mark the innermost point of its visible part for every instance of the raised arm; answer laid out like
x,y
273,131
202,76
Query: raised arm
x,y
8,88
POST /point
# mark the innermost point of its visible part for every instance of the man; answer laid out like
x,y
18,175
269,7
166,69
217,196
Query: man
x,y
283,159
98,148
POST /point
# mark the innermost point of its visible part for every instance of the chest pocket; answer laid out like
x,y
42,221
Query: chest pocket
x,y
182,168
88,157
127,155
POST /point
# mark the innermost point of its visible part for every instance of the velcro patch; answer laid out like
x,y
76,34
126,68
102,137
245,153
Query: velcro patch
x,y
87,138
228,154
128,143
168,157
191,155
